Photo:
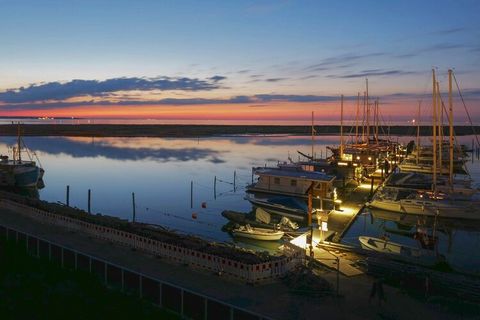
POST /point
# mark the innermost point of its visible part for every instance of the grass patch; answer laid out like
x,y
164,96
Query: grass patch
x,y
32,288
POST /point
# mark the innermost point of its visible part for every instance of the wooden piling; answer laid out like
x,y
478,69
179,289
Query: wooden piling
x,y
133,207
89,200
234,180
215,187
191,194
68,196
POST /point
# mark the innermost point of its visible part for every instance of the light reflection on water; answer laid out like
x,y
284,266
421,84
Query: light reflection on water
x,y
159,171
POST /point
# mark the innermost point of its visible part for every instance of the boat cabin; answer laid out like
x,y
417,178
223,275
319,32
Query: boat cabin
x,y
293,182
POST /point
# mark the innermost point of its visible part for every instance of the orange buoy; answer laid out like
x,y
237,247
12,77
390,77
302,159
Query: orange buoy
x,y
194,215
204,205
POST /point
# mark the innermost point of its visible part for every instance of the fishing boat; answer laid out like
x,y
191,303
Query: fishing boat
x,y
290,207
18,172
402,252
249,232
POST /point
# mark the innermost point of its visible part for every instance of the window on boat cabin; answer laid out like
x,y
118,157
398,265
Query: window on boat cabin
x,y
276,180
293,183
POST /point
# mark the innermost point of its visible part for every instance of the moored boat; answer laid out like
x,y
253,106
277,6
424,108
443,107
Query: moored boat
x,y
247,231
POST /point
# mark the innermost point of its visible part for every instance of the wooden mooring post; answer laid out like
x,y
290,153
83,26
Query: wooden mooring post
x,y
191,194
234,180
133,207
68,196
215,188
89,200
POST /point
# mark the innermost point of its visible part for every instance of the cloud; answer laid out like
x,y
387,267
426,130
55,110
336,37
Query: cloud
x,y
443,46
372,73
275,79
448,31
79,88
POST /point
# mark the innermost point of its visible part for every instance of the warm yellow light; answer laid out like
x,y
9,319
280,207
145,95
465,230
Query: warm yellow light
x,y
343,164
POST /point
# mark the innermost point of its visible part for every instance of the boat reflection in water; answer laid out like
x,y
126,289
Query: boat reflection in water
x,y
450,240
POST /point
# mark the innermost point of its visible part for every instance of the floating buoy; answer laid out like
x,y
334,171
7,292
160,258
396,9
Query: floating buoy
x,y
194,215
204,205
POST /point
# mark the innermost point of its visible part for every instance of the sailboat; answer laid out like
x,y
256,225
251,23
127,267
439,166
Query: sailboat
x,y
453,201
18,172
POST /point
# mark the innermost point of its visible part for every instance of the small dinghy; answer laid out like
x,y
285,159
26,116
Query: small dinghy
x,y
247,231
407,253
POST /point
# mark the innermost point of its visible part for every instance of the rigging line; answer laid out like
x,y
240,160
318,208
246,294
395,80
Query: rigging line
x,y
466,110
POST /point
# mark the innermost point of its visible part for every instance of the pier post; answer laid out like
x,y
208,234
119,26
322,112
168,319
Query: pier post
x,y
89,200
215,187
234,180
338,277
191,194
133,206
68,196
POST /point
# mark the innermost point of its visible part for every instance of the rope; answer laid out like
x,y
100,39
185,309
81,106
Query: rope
x,y
466,110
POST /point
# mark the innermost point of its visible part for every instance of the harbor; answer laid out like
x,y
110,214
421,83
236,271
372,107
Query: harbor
x,y
240,160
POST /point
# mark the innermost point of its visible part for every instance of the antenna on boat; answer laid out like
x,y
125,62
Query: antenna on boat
x,y
440,129
418,130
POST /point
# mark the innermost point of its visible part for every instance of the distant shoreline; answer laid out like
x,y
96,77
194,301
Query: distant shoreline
x,y
171,130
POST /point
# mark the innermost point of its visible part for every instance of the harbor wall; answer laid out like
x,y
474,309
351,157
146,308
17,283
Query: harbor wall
x,y
187,303
251,273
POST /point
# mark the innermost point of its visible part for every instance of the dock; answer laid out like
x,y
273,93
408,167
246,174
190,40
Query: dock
x,y
339,221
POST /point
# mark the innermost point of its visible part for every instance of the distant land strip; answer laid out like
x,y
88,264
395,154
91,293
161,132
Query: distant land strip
x,y
172,130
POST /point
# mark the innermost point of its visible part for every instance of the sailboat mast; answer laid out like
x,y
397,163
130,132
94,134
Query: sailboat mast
x,y
440,128
341,127
313,136
418,130
434,127
356,118
19,144
450,127
368,113
363,116
376,121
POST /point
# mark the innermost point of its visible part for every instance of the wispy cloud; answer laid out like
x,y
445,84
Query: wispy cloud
x,y
275,79
371,73
341,61
81,88
448,31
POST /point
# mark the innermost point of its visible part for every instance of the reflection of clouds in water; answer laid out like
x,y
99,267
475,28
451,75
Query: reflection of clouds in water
x,y
80,149
282,140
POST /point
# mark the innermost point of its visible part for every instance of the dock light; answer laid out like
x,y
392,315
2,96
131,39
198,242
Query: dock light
x,y
358,157
355,164
343,164
369,158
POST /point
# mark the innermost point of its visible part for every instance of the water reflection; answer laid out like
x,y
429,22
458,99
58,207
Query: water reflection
x,y
454,239
103,147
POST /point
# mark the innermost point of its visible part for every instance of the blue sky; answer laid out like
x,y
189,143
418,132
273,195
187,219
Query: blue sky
x,y
259,47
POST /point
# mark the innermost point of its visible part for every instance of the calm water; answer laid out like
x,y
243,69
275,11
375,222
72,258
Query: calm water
x,y
160,171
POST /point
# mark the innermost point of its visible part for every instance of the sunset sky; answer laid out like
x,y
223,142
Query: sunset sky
x,y
233,60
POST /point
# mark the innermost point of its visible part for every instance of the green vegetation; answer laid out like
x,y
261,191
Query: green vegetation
x,y
32,288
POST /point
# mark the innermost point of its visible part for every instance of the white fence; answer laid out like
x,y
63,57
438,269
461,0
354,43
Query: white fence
x,y
252,273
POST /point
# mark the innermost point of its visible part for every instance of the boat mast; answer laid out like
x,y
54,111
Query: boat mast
x,y
313,136
356,118
19,144
434,127
418,130
450,127
368,113
376,121
363,116
341,127
440,129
